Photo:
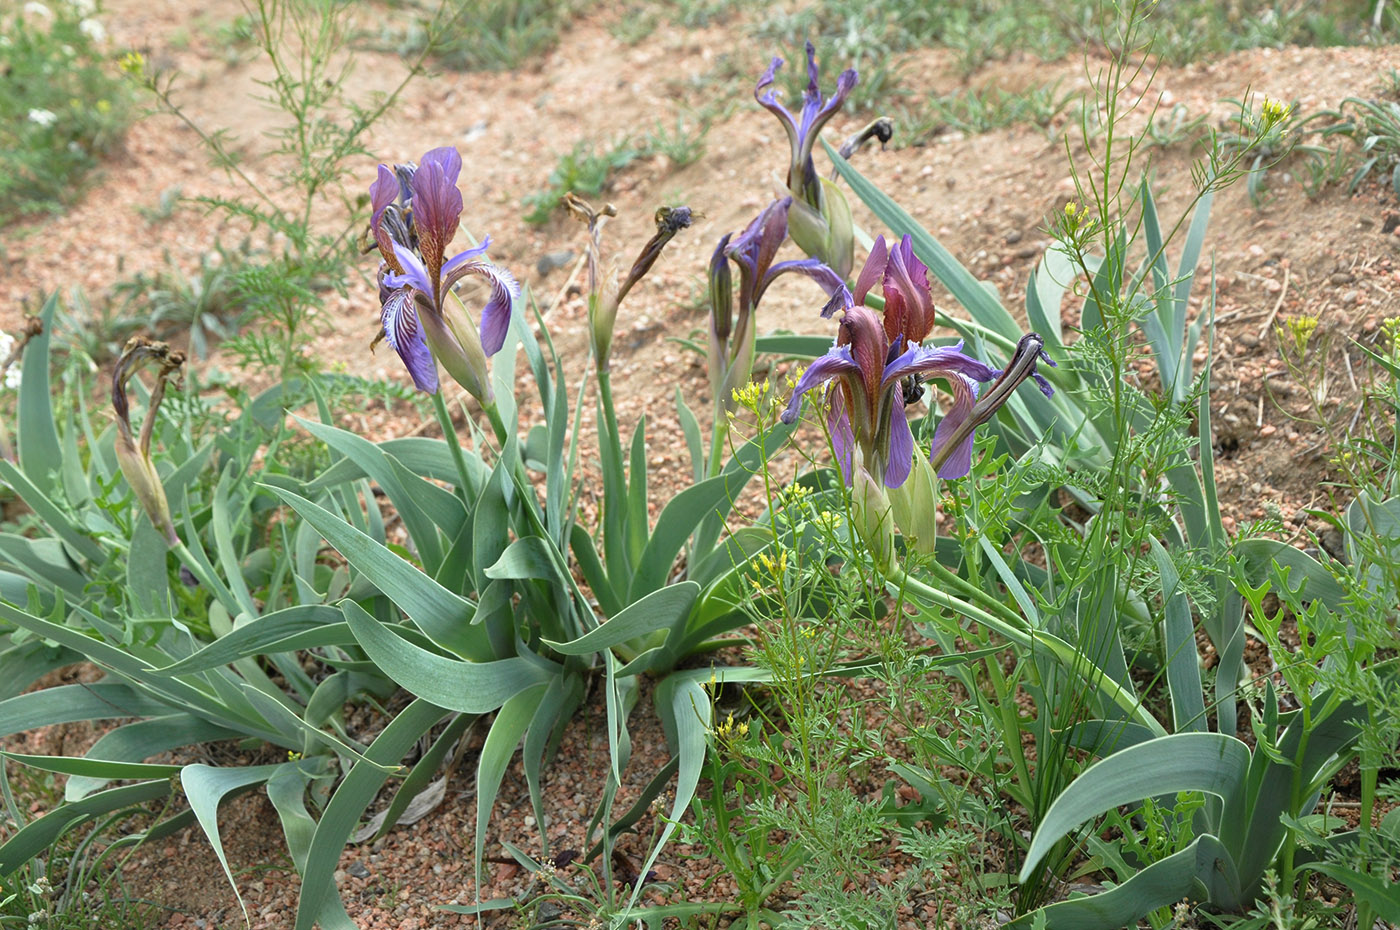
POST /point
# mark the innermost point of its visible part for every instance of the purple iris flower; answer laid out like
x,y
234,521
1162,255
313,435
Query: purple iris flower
x,y
866,402
754,251
803,129
423,208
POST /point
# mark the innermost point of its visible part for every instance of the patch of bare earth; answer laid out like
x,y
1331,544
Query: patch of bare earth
x,y
986,197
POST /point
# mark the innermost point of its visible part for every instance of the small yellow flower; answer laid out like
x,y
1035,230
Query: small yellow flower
x,y
104,106
1274,113
1300,330
133,63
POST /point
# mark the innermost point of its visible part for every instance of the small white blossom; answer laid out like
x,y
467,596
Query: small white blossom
x,y
93,30
12,378
43,117
35,8
83,7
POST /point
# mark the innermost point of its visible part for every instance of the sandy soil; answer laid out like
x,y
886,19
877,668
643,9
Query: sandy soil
x,y
986,197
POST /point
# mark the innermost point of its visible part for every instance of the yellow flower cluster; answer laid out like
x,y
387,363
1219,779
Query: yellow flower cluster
x,y
728,730
1300,330
751,395
1274,113
133,63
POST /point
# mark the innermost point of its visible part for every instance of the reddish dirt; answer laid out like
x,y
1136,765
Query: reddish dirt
x,y
986,197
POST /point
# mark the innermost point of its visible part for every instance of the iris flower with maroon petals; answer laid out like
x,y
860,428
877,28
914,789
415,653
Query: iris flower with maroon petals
x,y
866,401
802,131
415,277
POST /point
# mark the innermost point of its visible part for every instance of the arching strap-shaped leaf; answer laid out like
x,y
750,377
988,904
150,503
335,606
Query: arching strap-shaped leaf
x,y
39,835
304,626
319,901
206,786
466,687
1208,762
69,703
442,615
660,610
136,742
1202,871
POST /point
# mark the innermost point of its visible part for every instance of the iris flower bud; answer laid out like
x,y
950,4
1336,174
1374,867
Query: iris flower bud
x,y
133,452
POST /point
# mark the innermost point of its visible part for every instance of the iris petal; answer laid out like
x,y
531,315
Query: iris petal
x,y
838,425
901,446
959,460
838,361
405,336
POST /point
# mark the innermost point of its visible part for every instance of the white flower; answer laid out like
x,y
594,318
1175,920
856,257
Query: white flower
x,y
13,376
43,117
35,8
93,30
83,7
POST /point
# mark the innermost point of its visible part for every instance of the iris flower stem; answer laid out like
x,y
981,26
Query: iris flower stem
x,y
454,445
1019,634
719,436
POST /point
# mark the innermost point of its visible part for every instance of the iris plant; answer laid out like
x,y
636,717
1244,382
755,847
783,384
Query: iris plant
x,y
416,212
821,218
877,367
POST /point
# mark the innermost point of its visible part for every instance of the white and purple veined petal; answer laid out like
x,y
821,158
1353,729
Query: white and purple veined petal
x,y
495,316
837,361
405,336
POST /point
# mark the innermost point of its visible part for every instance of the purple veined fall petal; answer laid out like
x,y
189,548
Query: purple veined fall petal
x,y
873,271
838,425
937,362
958,461
901,458
405,336
839,298
837,361
495,316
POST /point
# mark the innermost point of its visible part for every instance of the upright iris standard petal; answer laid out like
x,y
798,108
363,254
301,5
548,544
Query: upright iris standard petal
x,y
437,207
874,270
908,298
755,248
405,336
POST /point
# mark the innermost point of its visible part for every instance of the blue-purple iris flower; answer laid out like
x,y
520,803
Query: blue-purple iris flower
x,y
423,208
754,250
804,128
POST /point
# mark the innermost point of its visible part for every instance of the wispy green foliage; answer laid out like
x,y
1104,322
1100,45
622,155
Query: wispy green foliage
x,y
62,110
